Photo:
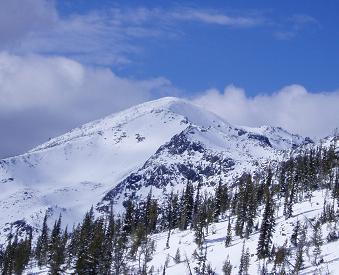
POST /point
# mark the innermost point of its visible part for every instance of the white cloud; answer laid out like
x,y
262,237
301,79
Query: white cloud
x,y
218,18
52,82
53,94
101,37
115,36
295,24
292,107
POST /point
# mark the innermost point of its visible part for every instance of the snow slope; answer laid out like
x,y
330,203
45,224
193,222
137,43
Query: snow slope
x,y
96,161
305,212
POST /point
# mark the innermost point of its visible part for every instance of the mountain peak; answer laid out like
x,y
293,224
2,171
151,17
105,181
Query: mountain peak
x,y
179,106
172,107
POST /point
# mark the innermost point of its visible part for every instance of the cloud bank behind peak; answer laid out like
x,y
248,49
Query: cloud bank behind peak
x,y
292,107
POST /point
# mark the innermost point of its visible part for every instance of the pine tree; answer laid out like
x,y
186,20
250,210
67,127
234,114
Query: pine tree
x,y
175,211
246,206
201,257
241,207
84,263
299,261
150,214
129,216
289,193
266,229
8,261
196,206
251,205
41,250
187,204
229,233
170,213
295,234
244,261
119,249
73,246
177,257
109,235
146,251
221,200
280,259
20,253
227,267
200,222
317,242
335,192
138,238
57,248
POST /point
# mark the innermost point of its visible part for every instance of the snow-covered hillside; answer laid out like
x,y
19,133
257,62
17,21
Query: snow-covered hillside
x,y
305,212
158,144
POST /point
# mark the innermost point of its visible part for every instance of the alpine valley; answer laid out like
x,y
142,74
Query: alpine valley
x,y
166,187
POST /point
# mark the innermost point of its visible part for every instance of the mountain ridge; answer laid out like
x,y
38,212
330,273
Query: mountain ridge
x,y
71,172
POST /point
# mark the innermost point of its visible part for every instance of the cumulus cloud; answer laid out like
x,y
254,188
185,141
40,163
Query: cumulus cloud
x,y
293,108
53,94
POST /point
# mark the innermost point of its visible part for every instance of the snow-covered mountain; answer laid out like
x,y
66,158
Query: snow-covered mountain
x,y
159,144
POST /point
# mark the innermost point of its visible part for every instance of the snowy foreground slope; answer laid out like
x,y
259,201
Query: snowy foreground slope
x,y
159,144
304,212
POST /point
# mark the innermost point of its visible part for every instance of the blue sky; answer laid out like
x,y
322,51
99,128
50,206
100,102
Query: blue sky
x,y
260,58
67,62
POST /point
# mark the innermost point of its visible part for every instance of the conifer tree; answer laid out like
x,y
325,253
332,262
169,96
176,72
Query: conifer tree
x,y
299,261
109,235
228,238
295,234
221,200
227,267
317,242
246,206
119,249
41,250
56,248
129,216
21,254
241,207
146,250
8,262
169,212
187,204
177,257
266,229
244,261
289,189
251,205
201,221
83,263
150,214
201,257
